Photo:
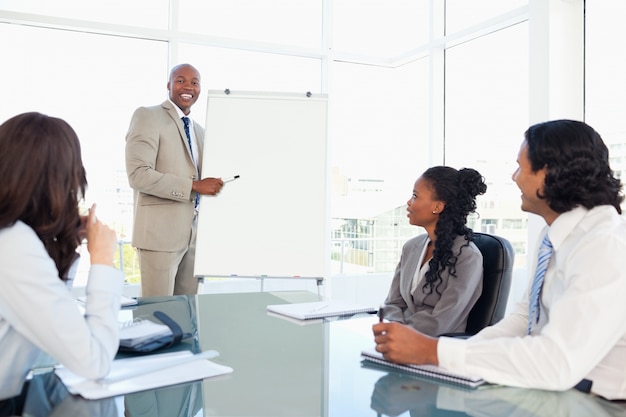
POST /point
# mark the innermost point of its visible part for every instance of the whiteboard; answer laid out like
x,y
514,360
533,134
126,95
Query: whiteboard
x,y
272,221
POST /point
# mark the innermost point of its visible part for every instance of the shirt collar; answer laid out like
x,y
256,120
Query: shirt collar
x,y
179,111
563,225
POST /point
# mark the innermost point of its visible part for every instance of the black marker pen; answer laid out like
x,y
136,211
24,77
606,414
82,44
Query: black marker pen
x,y
231,179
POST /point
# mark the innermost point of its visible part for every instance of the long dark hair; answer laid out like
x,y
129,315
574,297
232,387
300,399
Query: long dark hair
x,y
458,190
577,161
43,179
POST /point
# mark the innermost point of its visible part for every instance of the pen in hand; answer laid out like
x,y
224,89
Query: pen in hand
x,y
229,179
381,313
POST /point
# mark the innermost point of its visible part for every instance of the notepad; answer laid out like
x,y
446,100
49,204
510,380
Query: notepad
x,y
143,373
320,309
141,331
430,371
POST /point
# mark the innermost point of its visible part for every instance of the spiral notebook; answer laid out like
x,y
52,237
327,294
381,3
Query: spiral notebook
x,y
430,371
140,331
320,309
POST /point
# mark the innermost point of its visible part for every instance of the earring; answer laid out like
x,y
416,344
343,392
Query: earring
x,y
434,211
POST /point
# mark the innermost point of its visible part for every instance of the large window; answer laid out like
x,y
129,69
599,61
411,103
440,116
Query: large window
x,y
94,82
486,116
280,22
411,84
379,146
484,51
382,30
141,13
605,86
463,14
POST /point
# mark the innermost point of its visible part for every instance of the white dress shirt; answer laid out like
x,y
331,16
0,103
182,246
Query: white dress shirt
x,y
39,313
582,329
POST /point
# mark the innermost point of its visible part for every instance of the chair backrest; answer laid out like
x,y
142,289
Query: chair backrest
x,y
498,257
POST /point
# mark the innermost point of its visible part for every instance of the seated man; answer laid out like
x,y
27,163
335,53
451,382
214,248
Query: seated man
x,y
570,328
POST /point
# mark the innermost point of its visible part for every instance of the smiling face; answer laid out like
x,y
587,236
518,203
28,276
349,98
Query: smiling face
x,y
184,86
423,207
530,184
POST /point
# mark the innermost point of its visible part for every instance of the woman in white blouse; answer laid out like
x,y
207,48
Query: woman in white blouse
x,y
43,179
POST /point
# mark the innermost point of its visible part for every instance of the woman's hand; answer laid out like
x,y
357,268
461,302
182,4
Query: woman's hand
x,y
101,240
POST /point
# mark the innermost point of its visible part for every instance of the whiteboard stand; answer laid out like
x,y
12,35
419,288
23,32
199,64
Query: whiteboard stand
x,y
318,280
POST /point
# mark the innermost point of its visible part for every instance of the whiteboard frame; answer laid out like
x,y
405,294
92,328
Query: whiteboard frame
x,y
277,143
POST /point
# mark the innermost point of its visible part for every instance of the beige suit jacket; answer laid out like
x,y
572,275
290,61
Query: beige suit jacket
x,y
160,171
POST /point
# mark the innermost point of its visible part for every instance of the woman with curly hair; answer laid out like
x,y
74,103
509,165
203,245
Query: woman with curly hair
x,y
43,180
439,276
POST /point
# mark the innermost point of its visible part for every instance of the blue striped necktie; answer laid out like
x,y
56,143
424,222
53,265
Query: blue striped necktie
x,y
186,123
545,252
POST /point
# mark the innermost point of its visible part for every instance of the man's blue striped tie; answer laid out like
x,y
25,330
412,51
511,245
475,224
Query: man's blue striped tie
x,y
534,303
186,123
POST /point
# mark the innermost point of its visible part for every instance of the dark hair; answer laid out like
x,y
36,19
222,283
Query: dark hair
x,y
43,179
577,161
458,189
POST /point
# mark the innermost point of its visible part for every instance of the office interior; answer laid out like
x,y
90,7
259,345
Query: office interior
x,y
410,84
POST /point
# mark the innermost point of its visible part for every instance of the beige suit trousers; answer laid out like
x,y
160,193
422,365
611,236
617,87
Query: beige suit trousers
x,y
169,273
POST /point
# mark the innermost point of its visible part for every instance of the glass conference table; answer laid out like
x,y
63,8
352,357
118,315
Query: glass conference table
x,y
287,368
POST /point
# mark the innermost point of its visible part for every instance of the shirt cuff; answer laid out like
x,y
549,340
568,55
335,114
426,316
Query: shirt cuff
x,y
105,278
451,354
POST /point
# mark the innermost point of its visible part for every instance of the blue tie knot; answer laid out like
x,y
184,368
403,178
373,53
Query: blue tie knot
x,y
546,245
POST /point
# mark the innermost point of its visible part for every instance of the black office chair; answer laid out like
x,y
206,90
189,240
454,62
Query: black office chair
x,y
498,257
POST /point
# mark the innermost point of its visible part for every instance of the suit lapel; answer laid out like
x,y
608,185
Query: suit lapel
x,y
413,264
173,114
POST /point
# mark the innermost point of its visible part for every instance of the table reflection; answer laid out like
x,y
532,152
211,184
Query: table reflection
x,y
282,368
46,396
396,393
